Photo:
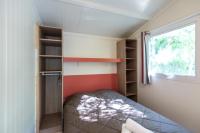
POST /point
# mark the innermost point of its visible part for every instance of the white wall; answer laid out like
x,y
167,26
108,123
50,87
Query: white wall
x,y
17,19
2,66
177,100
80,45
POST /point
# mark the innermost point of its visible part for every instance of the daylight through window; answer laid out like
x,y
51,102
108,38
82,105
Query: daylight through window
x,y
173,53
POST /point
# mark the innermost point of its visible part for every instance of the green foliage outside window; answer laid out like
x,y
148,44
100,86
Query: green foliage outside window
x,y
173,53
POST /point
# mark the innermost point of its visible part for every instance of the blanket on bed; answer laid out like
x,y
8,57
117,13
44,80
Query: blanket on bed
x,y
105,112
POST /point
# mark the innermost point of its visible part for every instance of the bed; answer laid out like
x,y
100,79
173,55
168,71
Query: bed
x,y
104,112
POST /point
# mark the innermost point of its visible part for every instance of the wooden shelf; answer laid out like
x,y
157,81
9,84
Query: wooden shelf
x,y
51,27
78,59
131,94
51,72
130,48
51,42
130,69
48,72
130,58
130,82
50,32
51,56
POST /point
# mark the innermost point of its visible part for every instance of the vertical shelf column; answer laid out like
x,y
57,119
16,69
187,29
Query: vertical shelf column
x,y
127,71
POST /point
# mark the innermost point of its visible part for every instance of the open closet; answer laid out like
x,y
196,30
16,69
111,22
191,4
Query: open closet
x,y
50,62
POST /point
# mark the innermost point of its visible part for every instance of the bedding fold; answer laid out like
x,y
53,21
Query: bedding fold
x,y
134,127
124,129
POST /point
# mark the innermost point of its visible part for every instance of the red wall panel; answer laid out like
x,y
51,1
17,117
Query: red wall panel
x,y
85,83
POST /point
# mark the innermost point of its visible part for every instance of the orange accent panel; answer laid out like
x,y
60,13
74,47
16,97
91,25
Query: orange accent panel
x,y
86,83
78,59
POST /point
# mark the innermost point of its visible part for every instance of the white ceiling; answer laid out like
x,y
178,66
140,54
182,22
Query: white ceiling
x,y
112,18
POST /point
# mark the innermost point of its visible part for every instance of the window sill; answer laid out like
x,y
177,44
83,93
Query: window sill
x,y
188,79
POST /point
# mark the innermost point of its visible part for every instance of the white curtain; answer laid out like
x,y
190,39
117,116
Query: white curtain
x,y
145,39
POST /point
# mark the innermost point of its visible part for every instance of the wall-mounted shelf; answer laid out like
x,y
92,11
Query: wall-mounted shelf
x,y
78,59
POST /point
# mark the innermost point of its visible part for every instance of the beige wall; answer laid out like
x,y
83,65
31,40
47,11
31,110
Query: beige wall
x,y
89,46
178,100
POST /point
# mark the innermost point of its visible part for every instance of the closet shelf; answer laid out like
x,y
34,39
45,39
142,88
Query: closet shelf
x,y
53,71
51,42
130,82
131,94
79,59
130,69
51,56
130,48
130,58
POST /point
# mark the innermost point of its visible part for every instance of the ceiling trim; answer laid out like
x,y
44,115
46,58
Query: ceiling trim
x,y
105,8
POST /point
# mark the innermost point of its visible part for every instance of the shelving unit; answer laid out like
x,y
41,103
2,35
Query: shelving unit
x,y
50,54
127,71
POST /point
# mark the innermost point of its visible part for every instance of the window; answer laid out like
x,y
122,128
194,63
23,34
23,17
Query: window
x,y
173,53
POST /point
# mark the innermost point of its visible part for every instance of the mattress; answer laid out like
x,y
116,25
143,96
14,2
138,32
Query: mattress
x,y
105,111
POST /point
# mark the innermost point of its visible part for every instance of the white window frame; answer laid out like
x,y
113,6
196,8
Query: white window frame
x,y
178,25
